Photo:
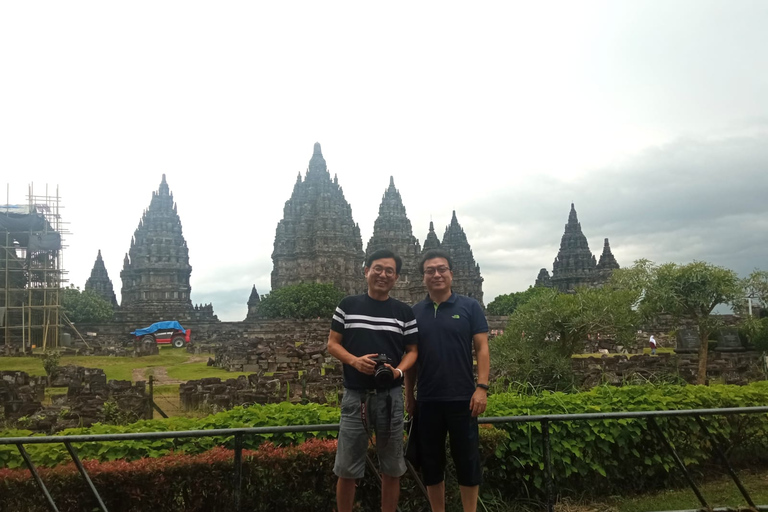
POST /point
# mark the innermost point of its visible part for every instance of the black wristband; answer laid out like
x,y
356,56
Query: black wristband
x,y
482,386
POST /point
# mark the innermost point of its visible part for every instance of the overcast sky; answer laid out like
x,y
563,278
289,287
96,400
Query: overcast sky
x,y
652,117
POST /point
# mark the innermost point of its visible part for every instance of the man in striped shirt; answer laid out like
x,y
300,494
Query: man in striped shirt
x,y
364,327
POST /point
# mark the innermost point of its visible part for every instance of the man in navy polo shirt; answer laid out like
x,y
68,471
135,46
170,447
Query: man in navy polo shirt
x,y
448,400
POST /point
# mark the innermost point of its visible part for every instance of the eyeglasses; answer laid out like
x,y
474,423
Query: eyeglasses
x,y
387,271
430,271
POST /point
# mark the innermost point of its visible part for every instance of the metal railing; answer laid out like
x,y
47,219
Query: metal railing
x,y
544,420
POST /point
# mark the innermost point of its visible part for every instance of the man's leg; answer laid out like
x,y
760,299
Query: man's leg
x,y
432,432
436,495
465,450
345,494
390,492
469,497
389,445
351,448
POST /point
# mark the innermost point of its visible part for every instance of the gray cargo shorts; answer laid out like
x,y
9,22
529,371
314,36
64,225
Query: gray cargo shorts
x,y
353,437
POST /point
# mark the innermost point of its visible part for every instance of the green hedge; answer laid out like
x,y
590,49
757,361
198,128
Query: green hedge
x,y
274,478
620,455
239,417
596,456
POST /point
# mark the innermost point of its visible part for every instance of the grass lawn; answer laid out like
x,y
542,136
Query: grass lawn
x,y
721,492
121,368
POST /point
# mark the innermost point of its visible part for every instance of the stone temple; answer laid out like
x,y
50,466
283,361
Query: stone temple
x,y
156,269
392,230
466,273
575,265
100,283
317,240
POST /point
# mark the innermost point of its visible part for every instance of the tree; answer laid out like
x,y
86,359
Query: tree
x,y
543,333
86,306
504,305
691,291
305,300
756,287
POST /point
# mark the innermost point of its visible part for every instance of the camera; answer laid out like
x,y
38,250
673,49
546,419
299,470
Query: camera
x,y
382,374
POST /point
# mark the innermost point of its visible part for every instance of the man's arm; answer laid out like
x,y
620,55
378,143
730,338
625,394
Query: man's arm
x,y
363,364
480,397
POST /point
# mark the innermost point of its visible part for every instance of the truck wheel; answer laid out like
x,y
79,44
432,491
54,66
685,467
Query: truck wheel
x,y
148,338
178,342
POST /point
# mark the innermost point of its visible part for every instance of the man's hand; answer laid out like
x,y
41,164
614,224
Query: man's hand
x,y
364,364
478,402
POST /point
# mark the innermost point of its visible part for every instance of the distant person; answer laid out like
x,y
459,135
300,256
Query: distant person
x,y
364,327
652,342
448,401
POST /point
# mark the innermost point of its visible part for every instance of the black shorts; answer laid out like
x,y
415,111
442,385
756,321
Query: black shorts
x,y
436,419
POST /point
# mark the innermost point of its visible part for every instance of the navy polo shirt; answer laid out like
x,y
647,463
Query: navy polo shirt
x,y
445,361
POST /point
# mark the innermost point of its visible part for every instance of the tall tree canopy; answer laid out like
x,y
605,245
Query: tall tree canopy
x,y
305,300
691,291
86,306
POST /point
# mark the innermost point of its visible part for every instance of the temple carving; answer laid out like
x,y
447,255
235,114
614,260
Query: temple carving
x,y
575,265
100,283
317,240
156,269
253,305
466,273
392,230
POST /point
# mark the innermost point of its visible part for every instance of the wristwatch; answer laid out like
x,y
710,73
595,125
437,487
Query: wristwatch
x,y
482,386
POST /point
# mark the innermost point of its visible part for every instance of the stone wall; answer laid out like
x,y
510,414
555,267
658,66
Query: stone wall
x,y
20,394
722,367
294,387
89,399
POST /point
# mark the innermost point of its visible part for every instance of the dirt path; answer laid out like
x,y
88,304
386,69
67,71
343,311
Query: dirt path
x,y
159,372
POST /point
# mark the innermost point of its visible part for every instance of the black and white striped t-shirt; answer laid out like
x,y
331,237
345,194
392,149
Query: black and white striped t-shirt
x,y
370,326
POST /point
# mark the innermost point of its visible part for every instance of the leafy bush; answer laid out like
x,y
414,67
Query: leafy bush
x,y
507,304
297,478
621,455
51,360
305,300
86,306
239,417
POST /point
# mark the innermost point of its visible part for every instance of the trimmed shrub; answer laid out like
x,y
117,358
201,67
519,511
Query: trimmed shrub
x,y
619,455
297,478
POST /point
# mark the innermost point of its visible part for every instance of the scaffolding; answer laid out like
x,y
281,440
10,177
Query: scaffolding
x,y
32,275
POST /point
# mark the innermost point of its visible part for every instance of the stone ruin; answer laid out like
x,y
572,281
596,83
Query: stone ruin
x,y
737,368
83,405
281,369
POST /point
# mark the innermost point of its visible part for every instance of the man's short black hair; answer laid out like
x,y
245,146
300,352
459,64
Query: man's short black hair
x,y
382,254
435,253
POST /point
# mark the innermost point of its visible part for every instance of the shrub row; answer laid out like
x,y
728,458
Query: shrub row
x,y
626,454
296,478
239,417
599,456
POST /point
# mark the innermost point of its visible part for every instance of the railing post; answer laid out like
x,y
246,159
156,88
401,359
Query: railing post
x,y
238,483
548,483
725,462
38,480
81,468
678,460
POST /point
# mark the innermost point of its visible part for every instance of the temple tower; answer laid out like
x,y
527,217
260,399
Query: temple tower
x,y
253,305
543,280
100,283
317,240
575,264
392,230
431,242
466,273
156,269
607,264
